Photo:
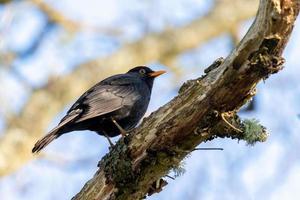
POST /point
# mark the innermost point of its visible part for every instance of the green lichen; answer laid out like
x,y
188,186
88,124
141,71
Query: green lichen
x,y
253,131
179,170
117,165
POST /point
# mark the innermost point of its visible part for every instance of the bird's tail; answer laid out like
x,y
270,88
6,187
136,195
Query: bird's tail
x,y
55,133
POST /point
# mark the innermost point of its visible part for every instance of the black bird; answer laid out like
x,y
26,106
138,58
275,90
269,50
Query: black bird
x,y
110,108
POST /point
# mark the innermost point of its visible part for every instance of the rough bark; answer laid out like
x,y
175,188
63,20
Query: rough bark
x,y
25,129
197,114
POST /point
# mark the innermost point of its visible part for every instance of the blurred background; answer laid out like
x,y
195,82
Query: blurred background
x,y
52,51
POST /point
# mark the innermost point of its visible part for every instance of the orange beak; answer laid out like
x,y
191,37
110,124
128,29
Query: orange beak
x,y
157,73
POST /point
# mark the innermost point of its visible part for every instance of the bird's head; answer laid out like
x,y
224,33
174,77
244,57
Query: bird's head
x,y
146,74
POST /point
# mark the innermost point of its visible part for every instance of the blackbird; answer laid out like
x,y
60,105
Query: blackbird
x,y
110,108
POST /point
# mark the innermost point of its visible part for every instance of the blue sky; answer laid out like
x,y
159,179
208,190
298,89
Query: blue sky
x,y
270,170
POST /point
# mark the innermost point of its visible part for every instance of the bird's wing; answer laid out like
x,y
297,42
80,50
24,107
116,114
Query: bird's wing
x,y
71,115
105,97
104,101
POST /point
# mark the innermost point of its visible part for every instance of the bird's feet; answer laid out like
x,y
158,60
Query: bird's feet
x,y
122,131
109,141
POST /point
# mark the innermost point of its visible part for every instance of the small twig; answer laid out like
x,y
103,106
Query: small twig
x,y
196,149
170,177
229,124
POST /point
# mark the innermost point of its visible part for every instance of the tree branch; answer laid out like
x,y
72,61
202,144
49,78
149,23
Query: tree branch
x,y
23,130
68,24
138,161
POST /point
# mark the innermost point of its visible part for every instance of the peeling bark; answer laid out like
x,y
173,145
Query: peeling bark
x,y
195,115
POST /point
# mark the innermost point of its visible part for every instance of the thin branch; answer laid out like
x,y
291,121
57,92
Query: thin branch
x,y
208,149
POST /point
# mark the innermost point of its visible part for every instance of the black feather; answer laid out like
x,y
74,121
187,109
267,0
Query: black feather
x,y
123,97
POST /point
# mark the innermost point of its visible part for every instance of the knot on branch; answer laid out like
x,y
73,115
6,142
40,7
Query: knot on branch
x,y
214,65
186,85
265,60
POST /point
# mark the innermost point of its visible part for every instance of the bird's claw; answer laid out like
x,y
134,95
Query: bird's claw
x,y
122,131
109,141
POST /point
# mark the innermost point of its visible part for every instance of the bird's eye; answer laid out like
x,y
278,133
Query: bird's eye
x,y
142,71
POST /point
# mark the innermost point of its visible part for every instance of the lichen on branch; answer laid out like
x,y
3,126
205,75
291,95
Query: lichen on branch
x,y
204,109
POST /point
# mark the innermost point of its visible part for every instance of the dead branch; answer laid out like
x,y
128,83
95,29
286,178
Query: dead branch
x,y
137,163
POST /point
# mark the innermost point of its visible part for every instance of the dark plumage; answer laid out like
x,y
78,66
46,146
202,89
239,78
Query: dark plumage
x,y
110,107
